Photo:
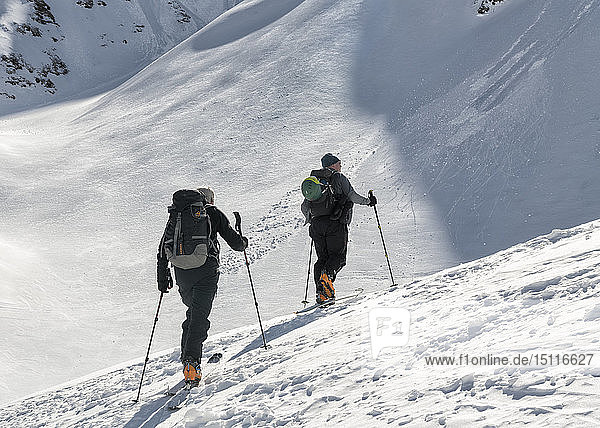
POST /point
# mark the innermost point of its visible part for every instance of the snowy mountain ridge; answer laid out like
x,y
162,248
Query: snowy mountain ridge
x,y
533,299
52,49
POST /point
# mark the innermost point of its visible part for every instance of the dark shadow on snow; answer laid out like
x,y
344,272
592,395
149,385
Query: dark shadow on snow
x,y
474,127
278,330
151,414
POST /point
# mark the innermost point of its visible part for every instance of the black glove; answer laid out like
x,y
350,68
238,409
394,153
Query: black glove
x,y
163,275
245,242
372,200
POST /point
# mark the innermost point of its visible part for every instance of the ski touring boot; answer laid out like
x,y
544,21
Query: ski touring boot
x,y
325,289
192,372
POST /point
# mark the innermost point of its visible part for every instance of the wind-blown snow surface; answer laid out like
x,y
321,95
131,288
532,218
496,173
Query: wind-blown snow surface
x,y
475,132
538,297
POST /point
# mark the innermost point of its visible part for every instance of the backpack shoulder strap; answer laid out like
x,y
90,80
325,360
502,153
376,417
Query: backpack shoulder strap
x,y
168,230
211,244
176,233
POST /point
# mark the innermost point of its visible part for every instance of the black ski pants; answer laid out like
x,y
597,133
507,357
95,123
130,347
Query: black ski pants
x,y
197,288
331,243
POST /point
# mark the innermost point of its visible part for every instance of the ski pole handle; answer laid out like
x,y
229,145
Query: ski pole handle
x,y
238,222
372,199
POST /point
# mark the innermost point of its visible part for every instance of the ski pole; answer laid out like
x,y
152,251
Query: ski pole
x,y
150,344
383,242
238,226
305,301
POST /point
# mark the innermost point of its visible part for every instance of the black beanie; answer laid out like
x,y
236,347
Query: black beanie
x,y
328,160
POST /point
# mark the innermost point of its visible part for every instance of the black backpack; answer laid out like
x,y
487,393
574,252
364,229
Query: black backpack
x,y
186,241
327,203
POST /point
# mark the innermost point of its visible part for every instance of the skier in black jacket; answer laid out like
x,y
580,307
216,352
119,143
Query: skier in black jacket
x,y
329,226
198,286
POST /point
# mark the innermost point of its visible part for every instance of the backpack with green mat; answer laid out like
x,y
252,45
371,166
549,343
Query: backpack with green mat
x,y
318,190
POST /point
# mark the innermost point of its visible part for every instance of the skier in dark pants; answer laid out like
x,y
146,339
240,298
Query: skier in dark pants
x,y
329,225
198,286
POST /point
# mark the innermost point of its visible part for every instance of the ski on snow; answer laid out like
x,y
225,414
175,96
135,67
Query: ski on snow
x,y
327,303
180,392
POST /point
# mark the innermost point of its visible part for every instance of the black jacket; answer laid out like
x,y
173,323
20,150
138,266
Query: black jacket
x,y
220,223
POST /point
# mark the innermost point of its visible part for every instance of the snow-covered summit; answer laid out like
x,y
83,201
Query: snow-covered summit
x,y
537,298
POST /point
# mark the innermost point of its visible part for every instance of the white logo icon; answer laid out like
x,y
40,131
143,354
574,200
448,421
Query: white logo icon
x,y
389,328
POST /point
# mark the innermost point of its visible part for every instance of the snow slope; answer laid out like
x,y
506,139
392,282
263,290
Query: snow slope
x,y
97,168
538,297
476,132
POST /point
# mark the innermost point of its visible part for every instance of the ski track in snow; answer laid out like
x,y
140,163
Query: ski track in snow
x,y
318,372
283,220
